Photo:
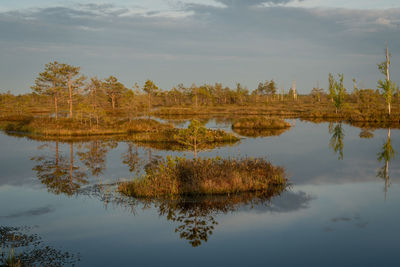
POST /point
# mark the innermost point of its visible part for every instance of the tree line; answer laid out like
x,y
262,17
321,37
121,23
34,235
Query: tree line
x,y
63,90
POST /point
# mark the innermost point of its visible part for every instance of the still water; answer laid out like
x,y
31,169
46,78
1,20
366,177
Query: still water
x,y
342,208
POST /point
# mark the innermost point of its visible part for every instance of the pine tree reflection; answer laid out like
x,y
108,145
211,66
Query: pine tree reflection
x,y
196,215
386,154
336,142
58,174
93,154
131,157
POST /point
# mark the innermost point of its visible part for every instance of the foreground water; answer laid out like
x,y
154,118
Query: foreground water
x,y
341,209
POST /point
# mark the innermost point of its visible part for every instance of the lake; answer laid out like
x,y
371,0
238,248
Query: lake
x,y
341,209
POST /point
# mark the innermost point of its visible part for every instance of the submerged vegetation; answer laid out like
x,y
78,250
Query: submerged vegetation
x,y
18,247
181,176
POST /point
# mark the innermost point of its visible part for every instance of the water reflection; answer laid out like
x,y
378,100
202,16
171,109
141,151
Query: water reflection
x,y
196,218
366,133
20,248
59,174
259,132
336,142
386,154
93,154
131,157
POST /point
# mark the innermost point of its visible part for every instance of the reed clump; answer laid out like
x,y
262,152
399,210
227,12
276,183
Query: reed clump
x,y
260,123
181,176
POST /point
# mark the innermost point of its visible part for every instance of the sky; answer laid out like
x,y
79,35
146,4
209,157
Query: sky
x,y
201,41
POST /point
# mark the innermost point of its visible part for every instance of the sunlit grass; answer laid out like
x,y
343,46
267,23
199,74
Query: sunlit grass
x,y
181,176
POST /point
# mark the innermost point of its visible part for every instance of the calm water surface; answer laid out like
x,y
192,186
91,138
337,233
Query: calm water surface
x,y
342,208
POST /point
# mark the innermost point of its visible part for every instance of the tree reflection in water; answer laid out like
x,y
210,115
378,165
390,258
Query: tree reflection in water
x,y
19,248
59,174
93,154
336,142
131,157
386,154
196,217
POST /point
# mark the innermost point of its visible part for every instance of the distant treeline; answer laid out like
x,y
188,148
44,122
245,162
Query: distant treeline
x,y
61,90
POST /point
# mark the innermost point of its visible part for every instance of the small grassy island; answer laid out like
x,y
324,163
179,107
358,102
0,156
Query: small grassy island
x,y
74,127
180,176
137,130
260,123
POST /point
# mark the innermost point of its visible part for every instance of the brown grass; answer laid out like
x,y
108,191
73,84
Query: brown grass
x,y
260,123
181,176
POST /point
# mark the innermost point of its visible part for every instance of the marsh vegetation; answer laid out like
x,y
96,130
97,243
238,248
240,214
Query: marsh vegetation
x,y
180,176
260,123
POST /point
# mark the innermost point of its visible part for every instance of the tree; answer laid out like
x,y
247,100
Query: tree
x,y
271,87
241,92
55,78
96,92
129,103
193,136
150,88
75,80
388,87
316,93
337,91
114,89
51,82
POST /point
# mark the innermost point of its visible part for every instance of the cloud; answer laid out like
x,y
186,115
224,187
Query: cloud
x,y
29,213
289,201
247,40
248,3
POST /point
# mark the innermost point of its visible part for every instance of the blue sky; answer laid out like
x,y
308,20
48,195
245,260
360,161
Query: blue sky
x,y
200,41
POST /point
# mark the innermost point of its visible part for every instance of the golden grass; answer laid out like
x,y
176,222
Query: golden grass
x,y
260,123
181,176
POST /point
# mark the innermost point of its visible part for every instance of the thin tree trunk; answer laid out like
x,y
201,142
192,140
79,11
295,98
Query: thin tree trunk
x,y
196,98
113,101
95,106
56,105
388,75
149,102
70,95
387,63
